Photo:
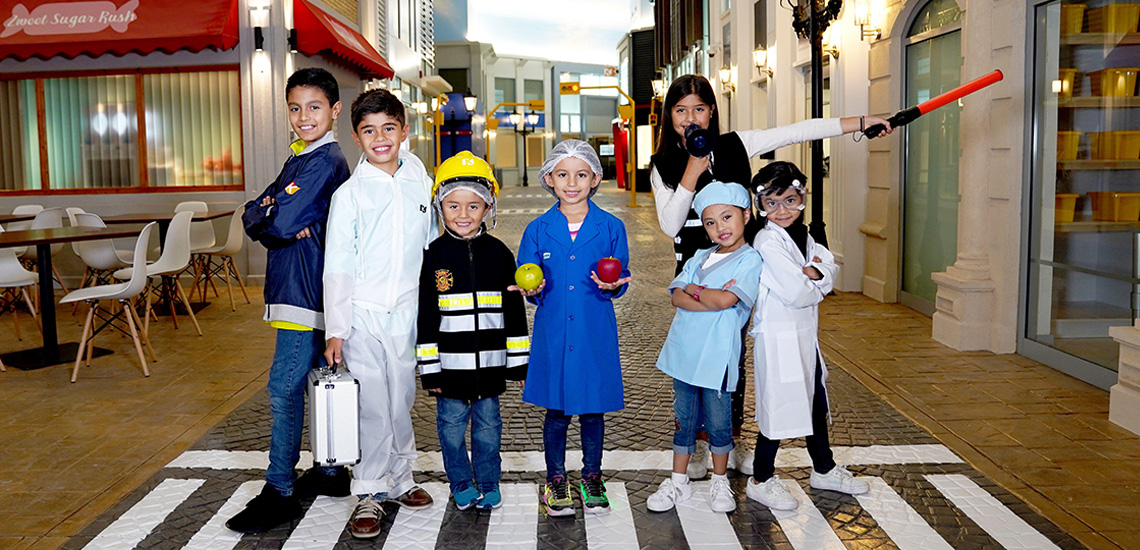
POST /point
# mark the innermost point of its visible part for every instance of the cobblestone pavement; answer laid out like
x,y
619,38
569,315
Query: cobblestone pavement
x,y
927,497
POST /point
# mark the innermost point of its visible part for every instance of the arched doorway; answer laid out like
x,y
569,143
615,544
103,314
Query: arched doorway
x,y
933,57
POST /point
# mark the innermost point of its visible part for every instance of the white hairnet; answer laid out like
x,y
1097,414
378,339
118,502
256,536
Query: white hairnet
x,y
483,190
570,148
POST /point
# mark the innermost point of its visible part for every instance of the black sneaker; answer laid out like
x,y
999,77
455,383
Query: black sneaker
x,y
315,482
266,511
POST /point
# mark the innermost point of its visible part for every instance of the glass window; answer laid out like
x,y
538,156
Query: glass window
x,y
457,78
760,24
504,90
532,90
167,129
727,39
1085,189
938,13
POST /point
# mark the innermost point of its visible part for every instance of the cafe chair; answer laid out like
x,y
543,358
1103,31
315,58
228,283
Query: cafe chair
x,y
201,237
48,218
100,257
23,209
122,293
175,257
14,283
219,260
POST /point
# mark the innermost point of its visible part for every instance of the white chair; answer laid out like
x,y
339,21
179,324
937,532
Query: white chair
x,y
121,293
175,257
201,237
220,260
15,280
48,218
100,256
23,209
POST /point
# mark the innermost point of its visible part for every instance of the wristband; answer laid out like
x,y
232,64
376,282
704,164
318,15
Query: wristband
x,y
697,294
862,123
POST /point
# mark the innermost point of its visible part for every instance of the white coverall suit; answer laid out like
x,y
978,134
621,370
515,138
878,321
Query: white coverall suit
x,y
378,228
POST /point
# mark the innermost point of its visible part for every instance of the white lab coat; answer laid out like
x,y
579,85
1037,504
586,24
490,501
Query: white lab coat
x,y
785,326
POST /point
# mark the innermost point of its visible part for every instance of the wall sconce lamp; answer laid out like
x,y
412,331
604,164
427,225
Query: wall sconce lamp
x,y
469,101
258,19
726,80
760,59
292,40
828,43
658,87
863,21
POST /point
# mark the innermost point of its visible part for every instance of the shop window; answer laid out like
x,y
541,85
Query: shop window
x,y
504,90
935,15
127,131
532,90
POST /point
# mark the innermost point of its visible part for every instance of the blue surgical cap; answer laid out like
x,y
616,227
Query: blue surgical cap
x,y
718,192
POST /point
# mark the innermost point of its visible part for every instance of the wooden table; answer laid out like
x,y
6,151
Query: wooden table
x,y
51,352
9,218
163,219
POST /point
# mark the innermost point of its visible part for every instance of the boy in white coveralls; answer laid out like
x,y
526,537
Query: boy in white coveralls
x,y
380,223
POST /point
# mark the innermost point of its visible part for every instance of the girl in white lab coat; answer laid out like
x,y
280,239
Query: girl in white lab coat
x,y
791,399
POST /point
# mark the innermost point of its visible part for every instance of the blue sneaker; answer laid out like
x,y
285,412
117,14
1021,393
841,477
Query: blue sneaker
x,y
492,498
467,498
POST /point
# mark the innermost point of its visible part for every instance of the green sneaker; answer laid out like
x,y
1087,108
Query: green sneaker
x,y
556,497
594,494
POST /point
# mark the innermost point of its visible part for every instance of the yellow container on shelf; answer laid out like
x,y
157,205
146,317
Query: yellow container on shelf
x,y
1112,206
1072,18
1114,81
1068,78
1066,207
1118,145
1114,18
1067,143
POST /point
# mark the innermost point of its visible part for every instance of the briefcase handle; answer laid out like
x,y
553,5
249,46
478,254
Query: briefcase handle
x,y
329,372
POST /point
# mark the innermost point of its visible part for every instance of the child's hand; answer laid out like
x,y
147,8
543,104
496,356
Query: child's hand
x,y
303,234
691,289
435,390
609,286
332,350
520,383
267,200
870,121
813,273
529,293
728,285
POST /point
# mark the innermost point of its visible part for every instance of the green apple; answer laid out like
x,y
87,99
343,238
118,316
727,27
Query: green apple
x,y
528,276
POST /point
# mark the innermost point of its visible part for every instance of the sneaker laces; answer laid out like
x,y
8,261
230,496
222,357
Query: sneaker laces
x,y
720,487
777,488
595,487
560,487
368,508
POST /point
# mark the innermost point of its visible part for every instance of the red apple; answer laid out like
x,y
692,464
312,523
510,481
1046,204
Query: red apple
x,y
609,269
528,276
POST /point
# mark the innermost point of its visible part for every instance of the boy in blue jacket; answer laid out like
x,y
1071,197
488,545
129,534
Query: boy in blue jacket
x,y
289,218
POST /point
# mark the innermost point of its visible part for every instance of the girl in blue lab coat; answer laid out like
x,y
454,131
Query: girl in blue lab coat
x,y
574,364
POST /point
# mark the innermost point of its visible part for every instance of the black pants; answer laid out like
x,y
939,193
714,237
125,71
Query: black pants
x,y
764,465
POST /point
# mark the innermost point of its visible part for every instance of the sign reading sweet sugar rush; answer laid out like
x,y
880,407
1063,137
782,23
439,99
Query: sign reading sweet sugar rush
x,y
70,18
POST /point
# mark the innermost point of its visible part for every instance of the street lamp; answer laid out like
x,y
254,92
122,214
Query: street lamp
x,y
529,120
469,101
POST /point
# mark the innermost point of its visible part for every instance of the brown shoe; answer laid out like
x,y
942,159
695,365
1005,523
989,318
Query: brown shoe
x,y
365,521
415,499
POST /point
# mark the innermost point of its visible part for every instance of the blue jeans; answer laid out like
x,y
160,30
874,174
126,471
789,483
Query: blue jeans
x,y
296,353
554,429
486,433
692,405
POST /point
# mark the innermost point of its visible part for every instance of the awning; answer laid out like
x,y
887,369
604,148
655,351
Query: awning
x,y
320,33
49,28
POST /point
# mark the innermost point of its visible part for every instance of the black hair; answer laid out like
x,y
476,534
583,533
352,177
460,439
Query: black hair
x,y
315,77
378,101
680,88
774,179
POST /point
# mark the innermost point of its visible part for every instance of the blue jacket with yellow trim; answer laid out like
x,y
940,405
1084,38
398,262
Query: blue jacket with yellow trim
x,y
472,332
302,193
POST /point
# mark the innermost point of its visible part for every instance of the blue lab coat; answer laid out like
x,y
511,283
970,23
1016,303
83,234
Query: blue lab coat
x,y
574,361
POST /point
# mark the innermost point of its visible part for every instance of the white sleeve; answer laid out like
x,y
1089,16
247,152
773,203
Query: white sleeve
x,y
758,142
673,205
783,275
826,266
340,265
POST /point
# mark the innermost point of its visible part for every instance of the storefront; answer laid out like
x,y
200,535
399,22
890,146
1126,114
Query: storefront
x,y
131,106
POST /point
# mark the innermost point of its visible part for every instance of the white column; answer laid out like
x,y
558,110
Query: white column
x,y
1124,396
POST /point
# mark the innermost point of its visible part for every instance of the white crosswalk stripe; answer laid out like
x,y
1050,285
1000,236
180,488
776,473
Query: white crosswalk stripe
x,y
514,525
135,524
703,527
805,527
214,535
420,528
615,530
906,528
322,524
1000,522
534,461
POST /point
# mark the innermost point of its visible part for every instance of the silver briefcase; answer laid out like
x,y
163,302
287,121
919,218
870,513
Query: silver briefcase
x,y
334,416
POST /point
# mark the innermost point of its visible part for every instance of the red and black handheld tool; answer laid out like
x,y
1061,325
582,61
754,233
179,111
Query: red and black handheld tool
x,y
908,115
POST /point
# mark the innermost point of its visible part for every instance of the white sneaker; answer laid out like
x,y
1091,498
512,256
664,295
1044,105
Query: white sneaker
x,y
668,495
839,480
740,459
699,461
772,493
720,495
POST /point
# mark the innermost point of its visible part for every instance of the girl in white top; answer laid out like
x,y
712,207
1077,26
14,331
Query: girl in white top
x,y
791,399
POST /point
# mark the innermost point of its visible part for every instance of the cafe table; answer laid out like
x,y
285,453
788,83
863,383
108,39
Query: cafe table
x,y
9,218
51,353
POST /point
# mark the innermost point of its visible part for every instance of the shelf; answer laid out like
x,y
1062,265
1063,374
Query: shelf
x,y
1098,102
1101,39
1096,227
1099,165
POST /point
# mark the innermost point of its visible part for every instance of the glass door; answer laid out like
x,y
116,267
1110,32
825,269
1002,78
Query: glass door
x,y
930,182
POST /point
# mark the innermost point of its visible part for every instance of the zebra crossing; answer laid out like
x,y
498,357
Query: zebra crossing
x,y
517,524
